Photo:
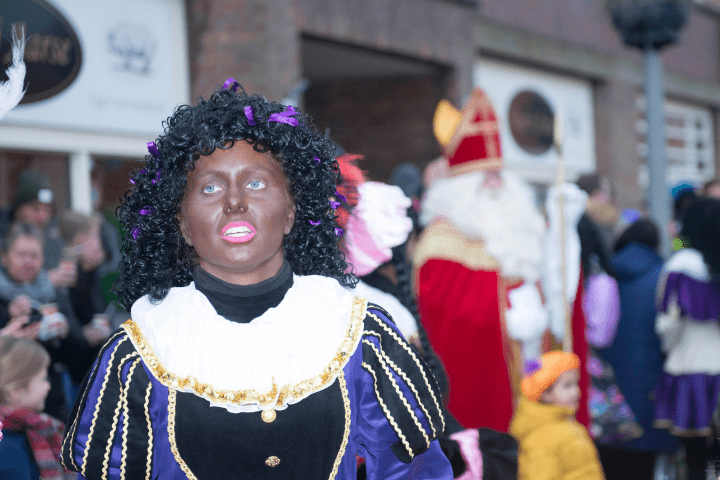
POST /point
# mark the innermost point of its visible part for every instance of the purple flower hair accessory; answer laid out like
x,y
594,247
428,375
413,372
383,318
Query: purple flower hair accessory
x,y
338,231
152,148
340,197
135,233
311,222
285,117
249,115
146,211
334,205
532,366
231,83
317,160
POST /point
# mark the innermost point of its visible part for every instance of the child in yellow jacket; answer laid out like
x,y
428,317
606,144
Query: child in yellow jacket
x,y
553,445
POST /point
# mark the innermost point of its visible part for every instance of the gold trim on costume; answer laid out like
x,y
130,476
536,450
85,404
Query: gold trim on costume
x,y
389,416
71,431
116,417
417,362
397,390
148,469
442,241
346,435
126,419
97,406
405,378
298,391
489,163
171,435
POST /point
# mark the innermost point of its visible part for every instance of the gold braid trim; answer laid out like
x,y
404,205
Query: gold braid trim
x,y
277,395
398,391
405,378
171,435
116,417
97,406
441,240
73,427
150,432
404,345
389,417
126,419
346,435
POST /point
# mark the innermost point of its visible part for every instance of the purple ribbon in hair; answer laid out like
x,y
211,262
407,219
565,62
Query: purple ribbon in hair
x,y
152,148
317,160
249,116
146,211
313,222
285,117
334,205
135,233
231,82
338,231
340,197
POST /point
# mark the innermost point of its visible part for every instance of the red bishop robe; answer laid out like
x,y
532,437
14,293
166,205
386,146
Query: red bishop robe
x,y
461,299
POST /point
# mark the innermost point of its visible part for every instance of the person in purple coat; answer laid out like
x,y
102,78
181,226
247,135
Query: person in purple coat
x,y
247,354
635,354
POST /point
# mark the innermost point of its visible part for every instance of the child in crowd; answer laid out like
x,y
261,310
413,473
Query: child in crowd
x,y
31,440
553,445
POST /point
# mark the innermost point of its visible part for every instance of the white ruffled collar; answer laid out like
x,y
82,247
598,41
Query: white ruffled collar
x,y
279,358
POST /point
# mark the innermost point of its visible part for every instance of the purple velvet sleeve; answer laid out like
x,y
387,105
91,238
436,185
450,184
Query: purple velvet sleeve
x,y
85,421
376,434
601,306
697,299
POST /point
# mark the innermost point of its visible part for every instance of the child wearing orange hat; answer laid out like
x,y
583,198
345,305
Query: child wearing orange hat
x,y
553,445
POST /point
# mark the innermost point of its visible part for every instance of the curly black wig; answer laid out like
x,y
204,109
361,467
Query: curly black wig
x,y
701,231
155,255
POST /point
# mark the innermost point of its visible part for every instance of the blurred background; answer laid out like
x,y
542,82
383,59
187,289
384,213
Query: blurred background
x,y
103,76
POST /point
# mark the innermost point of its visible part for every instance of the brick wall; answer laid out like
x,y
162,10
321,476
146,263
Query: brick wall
x,y
387,120
587,24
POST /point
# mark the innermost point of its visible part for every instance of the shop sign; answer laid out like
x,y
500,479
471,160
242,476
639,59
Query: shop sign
x,y
53,55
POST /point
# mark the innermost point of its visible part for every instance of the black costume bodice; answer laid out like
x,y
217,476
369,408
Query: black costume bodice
x,y
241,443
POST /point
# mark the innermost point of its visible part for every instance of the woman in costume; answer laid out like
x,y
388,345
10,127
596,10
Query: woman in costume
x,y
247,355
687,324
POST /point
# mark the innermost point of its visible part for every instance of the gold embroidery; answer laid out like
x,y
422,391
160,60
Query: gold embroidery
x,y
298,391
417,362
171,435
346,435
150,432
268,416
116,417
405,378
126,419
441,240
72,429
399,392
97,405
387,412
272,461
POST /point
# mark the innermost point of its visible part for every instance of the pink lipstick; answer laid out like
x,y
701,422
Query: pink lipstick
x,y
238,232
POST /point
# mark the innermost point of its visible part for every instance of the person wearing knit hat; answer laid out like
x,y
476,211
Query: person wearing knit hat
x,y
32,203
553,445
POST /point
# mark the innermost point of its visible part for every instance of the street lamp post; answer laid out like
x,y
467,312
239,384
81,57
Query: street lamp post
x,y
650,25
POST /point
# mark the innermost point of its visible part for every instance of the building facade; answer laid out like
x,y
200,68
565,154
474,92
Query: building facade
x,y
371,72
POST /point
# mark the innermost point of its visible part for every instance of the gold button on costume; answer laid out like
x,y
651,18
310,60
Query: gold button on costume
x,y
272,461
268,415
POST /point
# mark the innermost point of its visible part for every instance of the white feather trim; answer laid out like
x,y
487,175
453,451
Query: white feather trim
x,y
12,91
